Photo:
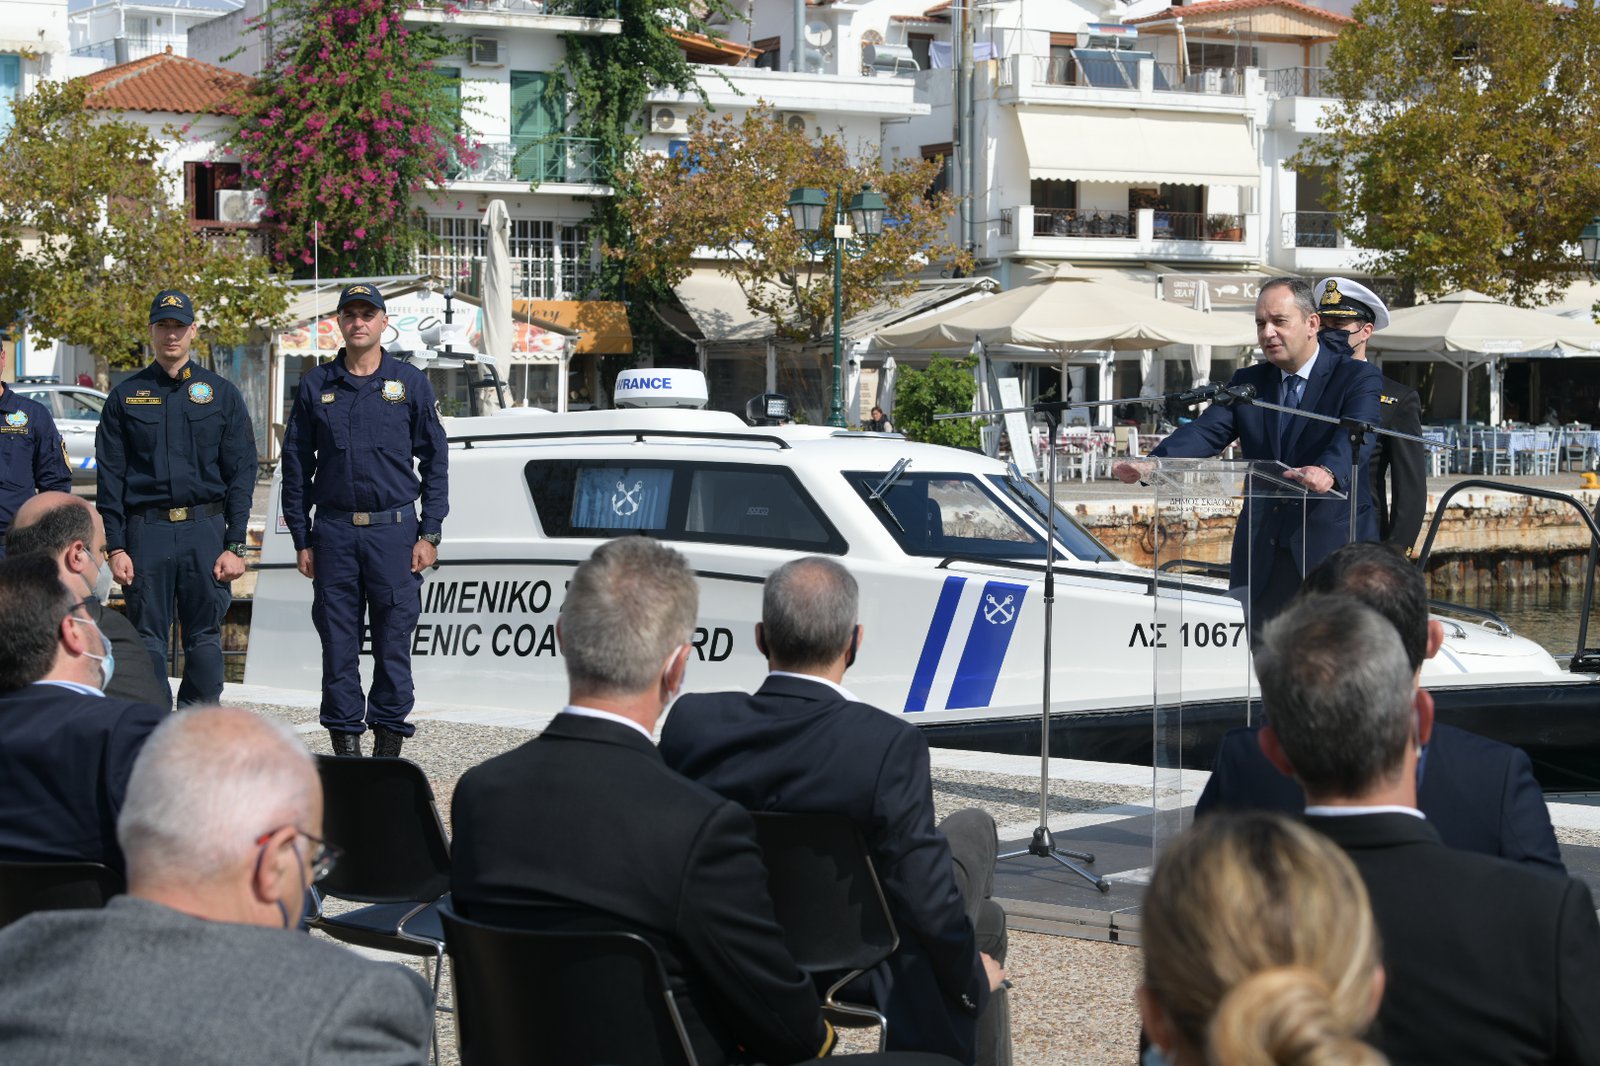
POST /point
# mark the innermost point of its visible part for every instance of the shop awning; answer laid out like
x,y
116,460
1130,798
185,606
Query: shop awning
x,y
719,308
1124,145
601,325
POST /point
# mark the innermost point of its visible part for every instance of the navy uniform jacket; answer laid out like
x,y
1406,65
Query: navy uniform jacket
x,y
174,442
798,746
32,455
1402,464
584,827
1337,387
1479,794
65,757
349,447
1486,961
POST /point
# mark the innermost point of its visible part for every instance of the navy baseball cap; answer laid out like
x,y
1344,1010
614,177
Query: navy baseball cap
x,y
361,292
170,303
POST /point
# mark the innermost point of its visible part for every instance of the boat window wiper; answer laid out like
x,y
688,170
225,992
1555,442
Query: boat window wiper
x,y
877,494
1034,500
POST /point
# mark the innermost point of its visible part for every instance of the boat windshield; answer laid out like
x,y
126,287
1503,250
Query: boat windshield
x,y
948,513
1078,542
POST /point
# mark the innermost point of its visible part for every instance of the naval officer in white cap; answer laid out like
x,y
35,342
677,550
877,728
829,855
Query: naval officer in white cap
x,y
1351,314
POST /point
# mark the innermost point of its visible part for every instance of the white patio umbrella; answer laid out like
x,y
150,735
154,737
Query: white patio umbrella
x,y
1468,329
886,378
1069,312
1201,359
1152,373
499,333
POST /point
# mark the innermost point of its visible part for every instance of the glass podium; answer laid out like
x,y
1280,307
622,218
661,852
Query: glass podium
x,y
1224,537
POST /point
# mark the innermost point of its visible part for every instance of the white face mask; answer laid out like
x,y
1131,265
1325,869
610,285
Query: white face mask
x,y
101,588
108,661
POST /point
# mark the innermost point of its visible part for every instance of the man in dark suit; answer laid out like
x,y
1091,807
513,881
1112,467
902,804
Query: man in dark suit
x,y
586,827
1487,961
67,529
1479,794
803,744
1351,314
66,749
201,963
1272,549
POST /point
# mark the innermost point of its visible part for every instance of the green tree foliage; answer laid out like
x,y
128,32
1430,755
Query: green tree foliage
x,y
350,120
89,233
728,191
946,385
1464,142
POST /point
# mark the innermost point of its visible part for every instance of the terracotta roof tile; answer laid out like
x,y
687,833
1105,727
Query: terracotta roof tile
x,y
166,82
1208,6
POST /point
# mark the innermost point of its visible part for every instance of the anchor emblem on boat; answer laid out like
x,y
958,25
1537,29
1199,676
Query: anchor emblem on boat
x,y
624,502
999,614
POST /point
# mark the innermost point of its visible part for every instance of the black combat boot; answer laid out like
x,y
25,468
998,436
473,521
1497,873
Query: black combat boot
x,y
386,744
346,744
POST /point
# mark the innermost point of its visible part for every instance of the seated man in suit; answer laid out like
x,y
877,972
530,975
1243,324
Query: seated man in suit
x,y
67,529
1478,793
66,748
1487,960
586,827
200,962
804,744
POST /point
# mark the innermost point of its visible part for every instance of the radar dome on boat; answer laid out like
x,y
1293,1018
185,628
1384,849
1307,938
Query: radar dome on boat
x,y
661,387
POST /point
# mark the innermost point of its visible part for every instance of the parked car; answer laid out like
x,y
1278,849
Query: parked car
x,y
77,413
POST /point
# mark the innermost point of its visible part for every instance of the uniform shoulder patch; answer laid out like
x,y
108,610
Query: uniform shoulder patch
x,y
1388,399
394,391
65,457
201,392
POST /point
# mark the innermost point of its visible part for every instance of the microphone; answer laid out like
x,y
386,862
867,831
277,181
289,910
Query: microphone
x,y
1236,394
1196,395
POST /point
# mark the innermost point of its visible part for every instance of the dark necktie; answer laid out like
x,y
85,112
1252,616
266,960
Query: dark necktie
x,y
1290,398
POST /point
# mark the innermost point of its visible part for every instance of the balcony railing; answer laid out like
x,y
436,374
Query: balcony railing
x,y
1296,81
1197,226
536,160
1083,222
1313,229
597,9
1124,74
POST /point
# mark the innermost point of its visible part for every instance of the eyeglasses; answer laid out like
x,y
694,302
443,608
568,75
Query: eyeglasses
x,y
80,605
321,861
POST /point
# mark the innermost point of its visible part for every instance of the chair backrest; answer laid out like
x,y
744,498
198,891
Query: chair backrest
x,y
382,813
825,891
563,997
26,887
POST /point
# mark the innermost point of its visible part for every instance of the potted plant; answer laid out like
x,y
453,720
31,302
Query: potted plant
x,y
1224,227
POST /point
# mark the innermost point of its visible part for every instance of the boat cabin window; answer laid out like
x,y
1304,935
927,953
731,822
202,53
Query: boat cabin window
x,y
947,514
1079,542
720,503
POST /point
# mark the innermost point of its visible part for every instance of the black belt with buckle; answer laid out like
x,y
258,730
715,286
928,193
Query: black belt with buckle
x,y
182,514
367,518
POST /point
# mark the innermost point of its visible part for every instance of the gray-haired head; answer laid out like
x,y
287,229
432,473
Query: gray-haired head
x,y
629,605
207,784
1304,292
1339,692
809,609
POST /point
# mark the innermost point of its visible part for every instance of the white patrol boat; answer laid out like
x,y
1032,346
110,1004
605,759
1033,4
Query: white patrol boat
x,y
948,547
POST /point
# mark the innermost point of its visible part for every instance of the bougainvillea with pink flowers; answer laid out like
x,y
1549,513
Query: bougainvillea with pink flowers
x,y
349,120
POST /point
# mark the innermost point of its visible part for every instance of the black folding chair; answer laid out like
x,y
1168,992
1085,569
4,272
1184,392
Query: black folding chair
x,y
827,897
396,859
26,887
561,997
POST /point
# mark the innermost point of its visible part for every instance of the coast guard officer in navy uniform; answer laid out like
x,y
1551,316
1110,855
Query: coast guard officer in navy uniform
x,y
33,457
176,465
358,423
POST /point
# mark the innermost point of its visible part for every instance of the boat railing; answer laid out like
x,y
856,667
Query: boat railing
x,y
1584,660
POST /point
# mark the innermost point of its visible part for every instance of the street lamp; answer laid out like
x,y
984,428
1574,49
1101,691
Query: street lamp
x,y
807,207
1589,242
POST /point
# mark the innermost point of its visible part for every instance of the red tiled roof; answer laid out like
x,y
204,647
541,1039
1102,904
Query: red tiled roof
x,y
165,82
1208,6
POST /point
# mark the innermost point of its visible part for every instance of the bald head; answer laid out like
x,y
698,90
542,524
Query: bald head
x,y
808,614
62,526
208,785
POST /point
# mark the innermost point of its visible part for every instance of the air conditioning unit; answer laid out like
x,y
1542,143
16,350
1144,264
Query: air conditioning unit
x,y
796,121
668,120
240,205
483,51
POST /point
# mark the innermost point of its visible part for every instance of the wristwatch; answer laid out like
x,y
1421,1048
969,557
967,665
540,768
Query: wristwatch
x,y
431,538
236,547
